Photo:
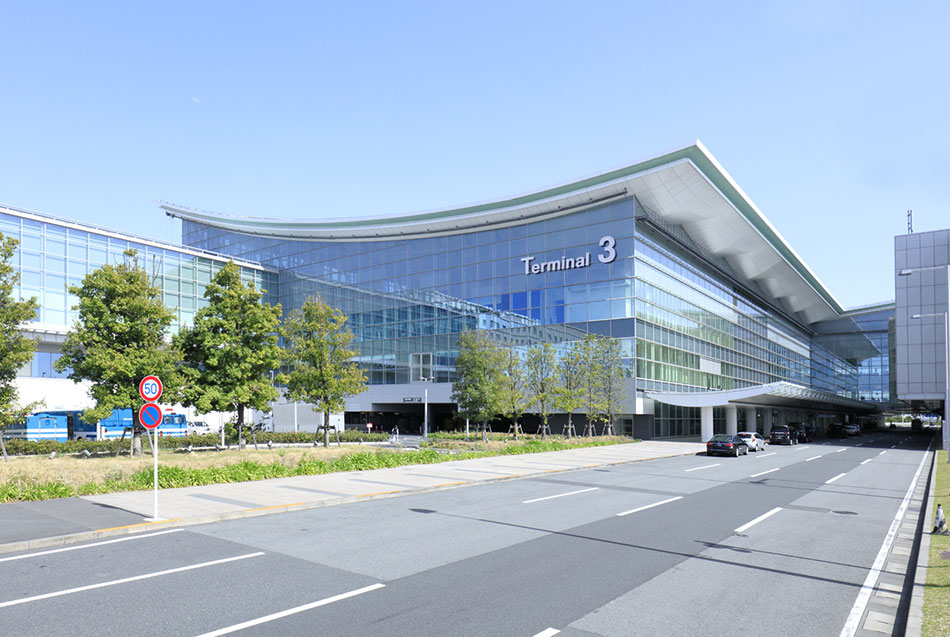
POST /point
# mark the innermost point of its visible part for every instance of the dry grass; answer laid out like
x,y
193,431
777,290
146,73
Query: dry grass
x,y
937,590
74,471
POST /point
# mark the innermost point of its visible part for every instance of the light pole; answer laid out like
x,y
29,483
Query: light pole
x,y
945,427
425,408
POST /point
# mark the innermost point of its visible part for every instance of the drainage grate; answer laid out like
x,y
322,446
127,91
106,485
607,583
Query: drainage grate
x,y
845,512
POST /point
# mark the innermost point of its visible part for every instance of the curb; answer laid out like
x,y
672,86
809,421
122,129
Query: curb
x,y
131,529
915,615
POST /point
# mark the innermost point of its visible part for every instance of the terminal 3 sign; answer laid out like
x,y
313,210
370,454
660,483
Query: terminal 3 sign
x,y
608,244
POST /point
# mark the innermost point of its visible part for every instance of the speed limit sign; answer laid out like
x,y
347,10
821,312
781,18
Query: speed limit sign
x,y
150,388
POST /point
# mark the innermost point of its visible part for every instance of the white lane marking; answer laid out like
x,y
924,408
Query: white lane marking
x,y
812,458
560,495
840,450
292,611
861,443
866,461
802,448
649,506
749,525
86,546
864,595
892,446
125,580
882,453
840,475
707,466
765,455
756,475
548,632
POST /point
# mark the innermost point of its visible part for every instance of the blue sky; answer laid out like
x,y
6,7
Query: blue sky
x,y
832,116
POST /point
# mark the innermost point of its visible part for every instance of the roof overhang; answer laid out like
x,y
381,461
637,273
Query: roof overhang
x,y
780,394
686,187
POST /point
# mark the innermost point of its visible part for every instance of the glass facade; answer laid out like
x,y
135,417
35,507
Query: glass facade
x,y
685,320
54,255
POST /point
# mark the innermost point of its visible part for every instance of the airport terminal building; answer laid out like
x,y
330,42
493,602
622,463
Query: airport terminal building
x,y
722,325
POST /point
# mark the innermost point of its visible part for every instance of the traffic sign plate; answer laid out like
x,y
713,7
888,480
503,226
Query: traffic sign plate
x,y
150,388
150,415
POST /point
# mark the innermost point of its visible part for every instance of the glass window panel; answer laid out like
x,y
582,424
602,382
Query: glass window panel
x,y
31,278
55,281
31,242
55,264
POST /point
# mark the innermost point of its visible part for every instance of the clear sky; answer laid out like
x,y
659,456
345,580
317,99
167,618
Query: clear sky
x,y
832,116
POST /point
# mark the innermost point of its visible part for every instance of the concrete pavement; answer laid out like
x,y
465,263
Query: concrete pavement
x,y
31,525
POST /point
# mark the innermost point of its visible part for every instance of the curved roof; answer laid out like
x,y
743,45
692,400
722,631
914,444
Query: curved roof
x,y
686,187
779,394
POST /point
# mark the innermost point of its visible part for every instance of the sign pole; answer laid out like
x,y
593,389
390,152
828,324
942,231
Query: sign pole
x,y
155,474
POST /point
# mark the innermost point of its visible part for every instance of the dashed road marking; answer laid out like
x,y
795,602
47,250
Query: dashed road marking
x,y
756,475
559,495
649,506
840,475
749,525
707,466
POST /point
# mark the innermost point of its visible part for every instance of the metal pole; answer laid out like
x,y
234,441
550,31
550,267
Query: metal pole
x,y
946,371
425,417
155,474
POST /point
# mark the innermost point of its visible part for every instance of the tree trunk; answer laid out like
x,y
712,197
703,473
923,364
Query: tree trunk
x,y
326,429
136,434
240,426
4,447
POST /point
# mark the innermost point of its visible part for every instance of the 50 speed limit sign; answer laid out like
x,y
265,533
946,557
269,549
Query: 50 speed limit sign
x,y
150,388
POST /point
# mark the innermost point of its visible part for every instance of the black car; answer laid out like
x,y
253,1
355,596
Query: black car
x,y
801,432
782,435
726,444
836,430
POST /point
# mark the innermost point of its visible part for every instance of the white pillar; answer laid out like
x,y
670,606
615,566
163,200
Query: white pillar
x,y
750,422
732,419
767,417
706,423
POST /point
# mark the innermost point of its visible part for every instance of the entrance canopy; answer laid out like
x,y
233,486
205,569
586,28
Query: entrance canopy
x,y
781,394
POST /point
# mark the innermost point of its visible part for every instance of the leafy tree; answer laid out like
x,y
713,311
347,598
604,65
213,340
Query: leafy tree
x,y
17,348
541,381
591,373
569,392
513,398
609,380
321,367
477,388
118,339
231,349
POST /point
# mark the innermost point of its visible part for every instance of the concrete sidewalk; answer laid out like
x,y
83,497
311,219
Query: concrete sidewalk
x,y
30,525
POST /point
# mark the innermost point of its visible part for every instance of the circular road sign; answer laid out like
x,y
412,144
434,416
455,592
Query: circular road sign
x,y
150,415
150,388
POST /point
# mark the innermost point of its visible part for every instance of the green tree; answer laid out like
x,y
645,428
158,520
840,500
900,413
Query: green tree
x,y
591,384
477,388
569,393
321,367
230,350
17,348
610,382
118,339
513,398
541,381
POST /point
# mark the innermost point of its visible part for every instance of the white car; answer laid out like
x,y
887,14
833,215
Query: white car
x,y
198,428
753,439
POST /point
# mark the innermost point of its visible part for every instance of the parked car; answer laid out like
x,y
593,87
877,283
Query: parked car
x,y
727,445
803,433
852,429
782,435
836,430
753,439
198,428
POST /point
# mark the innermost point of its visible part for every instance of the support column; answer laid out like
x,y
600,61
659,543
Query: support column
x,y
769,417
732,420
705,423
750,420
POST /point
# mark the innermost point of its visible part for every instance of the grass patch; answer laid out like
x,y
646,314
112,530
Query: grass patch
x,y
937,590
25,479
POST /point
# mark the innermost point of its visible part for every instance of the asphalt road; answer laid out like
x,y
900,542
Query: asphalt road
x,y
778,542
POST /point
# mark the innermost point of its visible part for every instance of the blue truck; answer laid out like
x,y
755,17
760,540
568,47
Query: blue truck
x,y
69,425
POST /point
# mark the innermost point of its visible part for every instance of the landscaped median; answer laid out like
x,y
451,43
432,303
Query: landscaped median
x,y
44,478
937,591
